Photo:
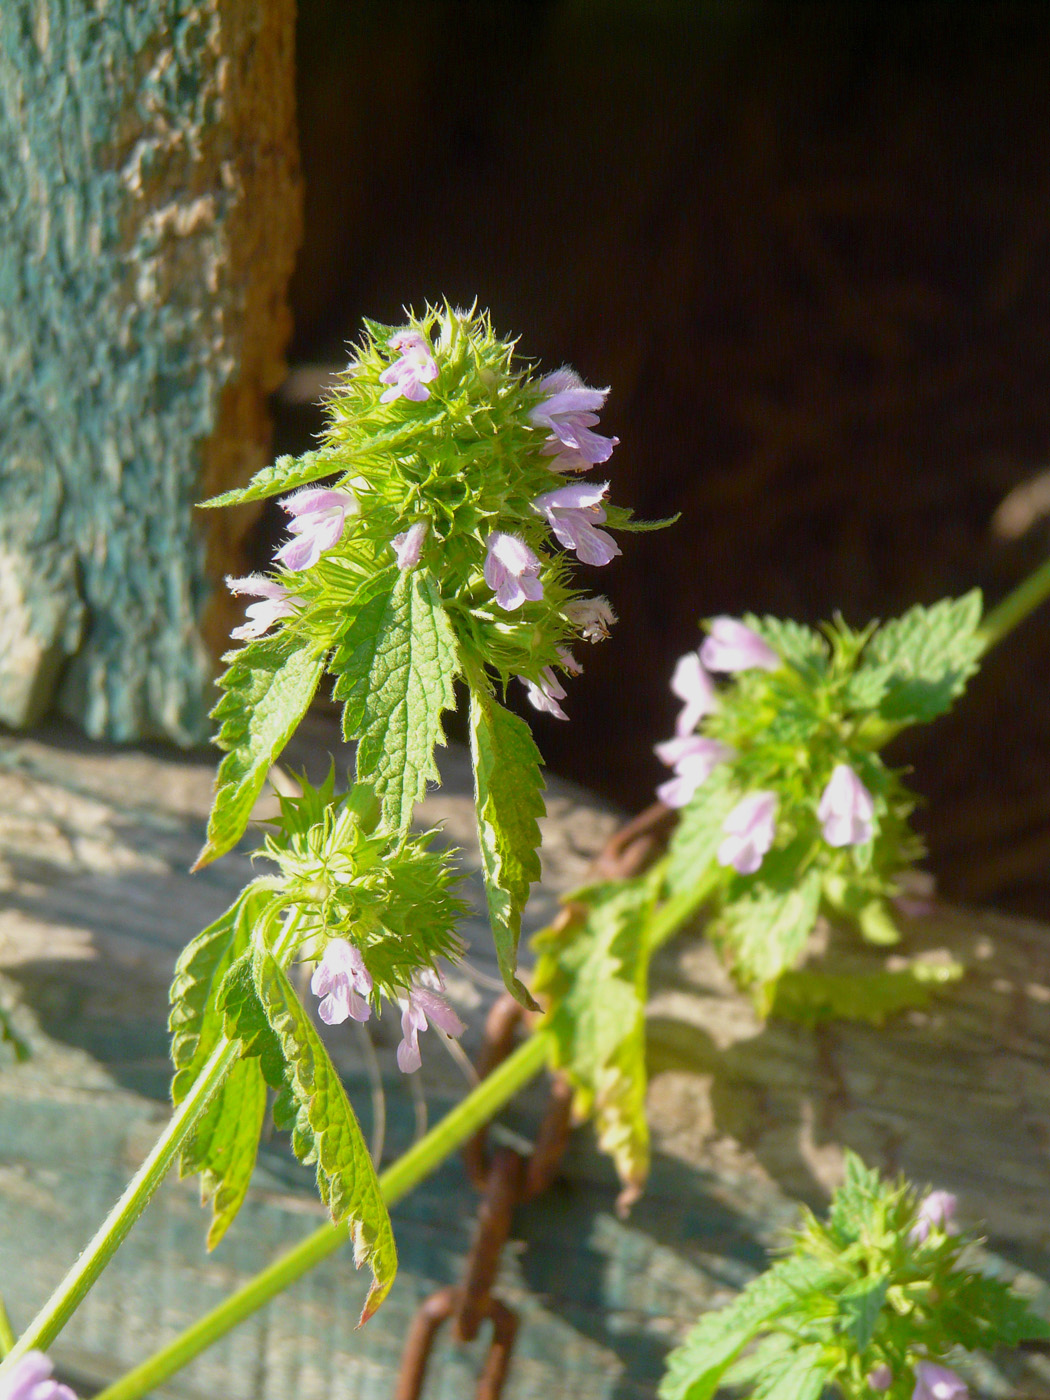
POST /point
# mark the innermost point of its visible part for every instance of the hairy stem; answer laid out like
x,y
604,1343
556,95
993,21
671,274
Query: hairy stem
x,y
400,1178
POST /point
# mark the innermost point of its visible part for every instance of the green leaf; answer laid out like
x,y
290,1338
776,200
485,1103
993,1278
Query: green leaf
x,y
853,1204
269,685
622,518
195,1021
596,975
698,835
354,657
859,1307
225,1143
983,1313
696,1368
809,997
9,1036
932,652
799,1374
402,695
797,644
287,474
508,794
764,930
245,1020
326,1131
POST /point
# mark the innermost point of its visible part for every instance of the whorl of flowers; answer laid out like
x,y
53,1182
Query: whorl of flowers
x,y
445,452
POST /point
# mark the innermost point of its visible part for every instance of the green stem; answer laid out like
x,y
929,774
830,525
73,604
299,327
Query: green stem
x,y
7,1336
406,1173
71,1292
670,916
1016,606
111,1234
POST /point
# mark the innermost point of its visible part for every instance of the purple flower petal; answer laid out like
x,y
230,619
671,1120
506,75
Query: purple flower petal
x,y
408,546
423,1002
846,809
344,982
749,831
511,571
593,616
934,1382
733,646
30,1379
319,518
692,684
936,1211
545,693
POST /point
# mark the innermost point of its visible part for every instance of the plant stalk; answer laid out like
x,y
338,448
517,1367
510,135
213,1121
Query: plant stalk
x,y
1016,606
397,1181
7,1336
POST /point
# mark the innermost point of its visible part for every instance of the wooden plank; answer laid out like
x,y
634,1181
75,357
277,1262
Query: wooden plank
x,y
151,215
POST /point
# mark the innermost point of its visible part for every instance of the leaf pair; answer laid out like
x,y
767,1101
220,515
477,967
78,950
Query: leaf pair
x,y
229,984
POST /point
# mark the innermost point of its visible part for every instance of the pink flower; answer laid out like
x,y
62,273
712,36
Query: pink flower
x,y
511,571
277,603
593,616
569,412
731,646
937,1211
30,1379
572,513
344,982
693,759
846,809
408,546
749,831
692,684
938,1383
880,1377
424,1001
545,693
412,371
319,519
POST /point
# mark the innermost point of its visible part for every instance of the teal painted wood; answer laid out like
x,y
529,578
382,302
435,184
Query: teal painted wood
x,y
150,210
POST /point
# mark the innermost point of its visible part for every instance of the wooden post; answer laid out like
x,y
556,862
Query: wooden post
x,y
151,211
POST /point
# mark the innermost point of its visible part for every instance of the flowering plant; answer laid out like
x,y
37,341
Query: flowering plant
x,y
867,1303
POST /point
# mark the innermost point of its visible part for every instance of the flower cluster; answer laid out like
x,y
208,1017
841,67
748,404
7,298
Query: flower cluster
x,y
448,457
845,808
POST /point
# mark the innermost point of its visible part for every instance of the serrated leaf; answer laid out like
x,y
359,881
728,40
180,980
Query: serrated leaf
x,y
983,1313
508,795
326,1131
195,1020
866,688
225,1143
403,694
286,474
808,997
932,652
696,1369
798,645
765,929
853,1204
695,841
596,975
799,1374
269,685
354,657
245,1020
859,1307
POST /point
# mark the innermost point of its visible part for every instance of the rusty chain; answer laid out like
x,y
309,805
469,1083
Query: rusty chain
x,y
504,1177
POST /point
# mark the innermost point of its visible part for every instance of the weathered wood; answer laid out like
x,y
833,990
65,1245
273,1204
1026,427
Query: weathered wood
x,y
94,844
151,214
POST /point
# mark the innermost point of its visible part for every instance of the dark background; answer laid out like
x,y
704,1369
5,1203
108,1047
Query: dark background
x,y
807,245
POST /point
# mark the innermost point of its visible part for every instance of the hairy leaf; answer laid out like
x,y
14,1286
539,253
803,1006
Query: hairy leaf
x,y
246,1020
983,1313
287,474
799,1374
225,1143
854,1204
859,1308
327,1133
508,790
800,646
596,974
196,1021
403,693
764,930
932,653
695,1369
269,685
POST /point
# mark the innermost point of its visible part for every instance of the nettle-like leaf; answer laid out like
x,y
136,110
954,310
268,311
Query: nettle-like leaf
x,y
595,974
196,1019
763,931
225,1144
269,685
508,791
800,646
931,653
696,1369
286,474
397,670
326,1133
